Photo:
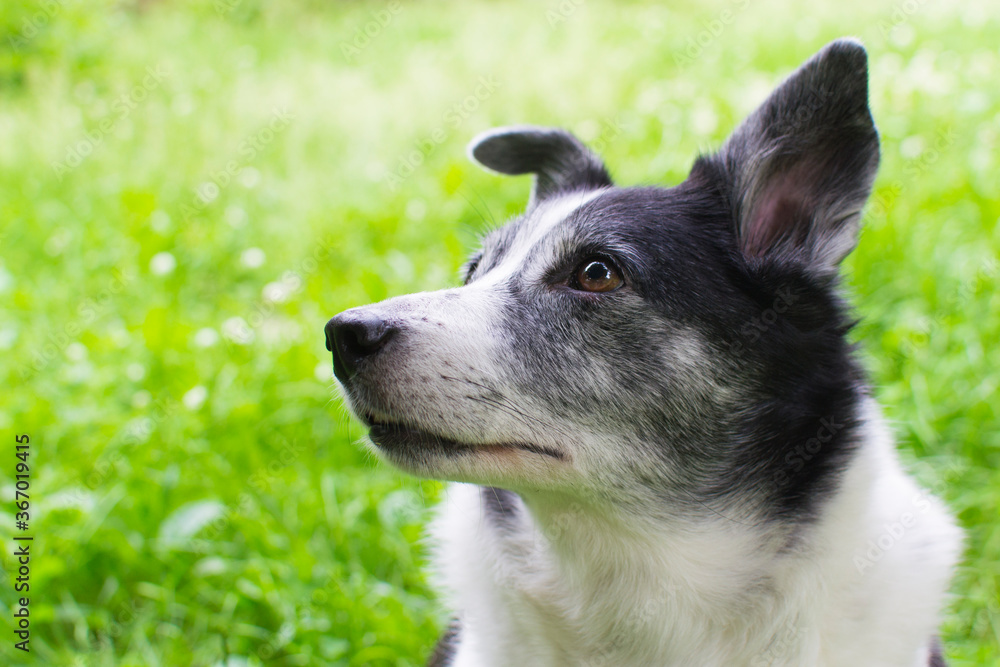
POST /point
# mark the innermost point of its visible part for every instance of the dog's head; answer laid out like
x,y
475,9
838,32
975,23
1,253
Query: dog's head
x,y
627,342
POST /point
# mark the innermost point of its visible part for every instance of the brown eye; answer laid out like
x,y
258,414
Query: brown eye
x,y
597,275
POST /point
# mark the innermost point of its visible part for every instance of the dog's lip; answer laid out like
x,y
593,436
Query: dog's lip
x,y
394,435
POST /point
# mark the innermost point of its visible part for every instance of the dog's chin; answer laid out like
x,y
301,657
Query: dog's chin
x,y
429,454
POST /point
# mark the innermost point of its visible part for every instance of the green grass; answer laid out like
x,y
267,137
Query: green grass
x,y
197,497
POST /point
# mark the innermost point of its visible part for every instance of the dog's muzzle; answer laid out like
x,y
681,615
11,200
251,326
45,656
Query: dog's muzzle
x,y
353,336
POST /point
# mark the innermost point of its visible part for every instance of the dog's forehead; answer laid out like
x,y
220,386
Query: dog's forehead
x,y
632,221
538,224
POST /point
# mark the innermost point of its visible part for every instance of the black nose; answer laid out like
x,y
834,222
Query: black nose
x,y
352,336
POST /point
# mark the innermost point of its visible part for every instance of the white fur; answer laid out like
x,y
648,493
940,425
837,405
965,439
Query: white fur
x,y
598,573
546,217
581,587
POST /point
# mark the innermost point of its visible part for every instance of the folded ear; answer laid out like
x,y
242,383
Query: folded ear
x,y
799,169
559,161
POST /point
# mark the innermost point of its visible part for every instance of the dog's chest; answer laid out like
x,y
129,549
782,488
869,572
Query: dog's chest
x,y
521,600
580,619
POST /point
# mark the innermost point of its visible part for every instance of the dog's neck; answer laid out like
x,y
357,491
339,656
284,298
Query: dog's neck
x,y
647,586
684,555
541,581
564,581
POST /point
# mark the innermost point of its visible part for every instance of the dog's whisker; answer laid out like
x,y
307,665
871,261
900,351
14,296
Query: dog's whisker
x,y
501,403
514,412
491,221
720,463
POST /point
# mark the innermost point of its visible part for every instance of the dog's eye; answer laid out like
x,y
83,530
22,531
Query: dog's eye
x,y
596,275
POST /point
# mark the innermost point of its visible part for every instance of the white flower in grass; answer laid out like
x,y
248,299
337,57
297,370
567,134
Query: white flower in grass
x,y
276,292
135,371
195,397
249,178
237,330
162,263
141,399
206,337
159,221
76,351
252,258
235,216
324,371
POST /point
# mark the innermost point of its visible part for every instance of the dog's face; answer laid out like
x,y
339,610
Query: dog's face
x,y
617,343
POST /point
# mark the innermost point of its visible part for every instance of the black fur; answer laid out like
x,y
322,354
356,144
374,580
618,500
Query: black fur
x,y
798,170
937,655
444,650
558,160
678,252
725,352
502,507
741,256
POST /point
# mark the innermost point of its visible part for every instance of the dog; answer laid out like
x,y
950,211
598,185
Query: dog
x,y
663,449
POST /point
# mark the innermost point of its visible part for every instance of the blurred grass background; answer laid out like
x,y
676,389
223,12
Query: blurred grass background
x,y
188,191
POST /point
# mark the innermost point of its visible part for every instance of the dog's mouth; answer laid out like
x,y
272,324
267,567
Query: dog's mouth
x,y
402,440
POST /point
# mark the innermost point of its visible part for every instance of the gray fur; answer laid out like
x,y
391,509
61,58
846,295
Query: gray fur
x,y
803,164
712,400
558,160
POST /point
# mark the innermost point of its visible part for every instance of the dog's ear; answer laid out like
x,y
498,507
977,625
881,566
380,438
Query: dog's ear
x,y
799,169
559,161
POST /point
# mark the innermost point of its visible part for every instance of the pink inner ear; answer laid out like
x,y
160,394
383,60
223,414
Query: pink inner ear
x,y
782,212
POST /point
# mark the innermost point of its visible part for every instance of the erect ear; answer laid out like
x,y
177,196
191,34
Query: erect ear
x,y
559,161
799,169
